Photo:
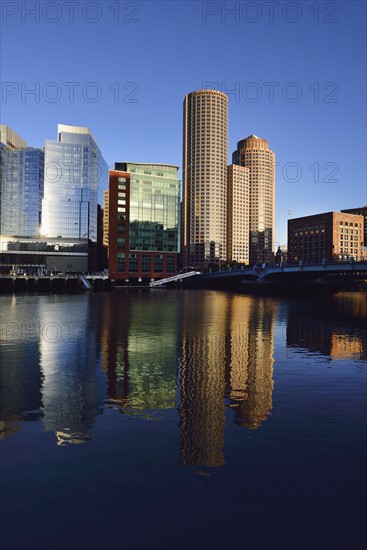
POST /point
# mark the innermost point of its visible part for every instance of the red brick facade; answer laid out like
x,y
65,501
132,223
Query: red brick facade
x,y
124,263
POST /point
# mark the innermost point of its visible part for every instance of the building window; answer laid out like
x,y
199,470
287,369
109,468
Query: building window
x,y
158,263
146,263
120,262
121,180
133,263
170,264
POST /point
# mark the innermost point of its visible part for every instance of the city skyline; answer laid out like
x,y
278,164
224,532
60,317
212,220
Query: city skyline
x,y
248,230
305,106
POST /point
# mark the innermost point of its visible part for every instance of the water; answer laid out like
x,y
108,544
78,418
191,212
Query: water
x,y
169,419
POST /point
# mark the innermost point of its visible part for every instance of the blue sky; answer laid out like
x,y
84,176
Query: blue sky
x,y
297,72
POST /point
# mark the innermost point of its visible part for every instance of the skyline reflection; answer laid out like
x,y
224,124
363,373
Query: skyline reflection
x,y
71,399
145,353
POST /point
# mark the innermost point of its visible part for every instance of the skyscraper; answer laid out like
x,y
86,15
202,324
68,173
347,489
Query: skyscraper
x,y
75,174
21,185
254,153
205,158
238,214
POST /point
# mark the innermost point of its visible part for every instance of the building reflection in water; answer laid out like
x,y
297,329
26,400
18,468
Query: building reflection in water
x,y
139,350
202,379
72,395
251,359
337,331
20,380
227,350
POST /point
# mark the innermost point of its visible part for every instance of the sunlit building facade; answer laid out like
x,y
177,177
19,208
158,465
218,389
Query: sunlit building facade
x,y
10,139
204,194
362,211
329,236
21,185
254,153
238,214
75,174
143,221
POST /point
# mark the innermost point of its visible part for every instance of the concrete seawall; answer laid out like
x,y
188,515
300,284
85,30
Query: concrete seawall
x,y
50,285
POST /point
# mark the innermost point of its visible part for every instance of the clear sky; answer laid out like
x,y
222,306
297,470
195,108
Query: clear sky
x,y
295,73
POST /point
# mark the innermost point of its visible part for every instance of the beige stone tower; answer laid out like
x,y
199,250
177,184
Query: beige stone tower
x,y
238,219
254,153
205,159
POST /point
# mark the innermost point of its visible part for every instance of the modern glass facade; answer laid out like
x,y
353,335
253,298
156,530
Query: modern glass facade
x,y
75,174
21,184
154,206
143,221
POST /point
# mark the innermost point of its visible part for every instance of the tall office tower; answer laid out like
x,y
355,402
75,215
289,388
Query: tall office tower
x,y
254,153
75,174
21,185
205,158
238,214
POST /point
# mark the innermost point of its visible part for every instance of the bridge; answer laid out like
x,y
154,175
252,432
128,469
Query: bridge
x,y
285,278
312,271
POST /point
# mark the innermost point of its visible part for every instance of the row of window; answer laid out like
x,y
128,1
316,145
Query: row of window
x,y
351,224
148,263
345,231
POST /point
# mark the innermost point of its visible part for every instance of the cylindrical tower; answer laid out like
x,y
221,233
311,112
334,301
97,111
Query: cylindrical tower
x,y
205,157
254,153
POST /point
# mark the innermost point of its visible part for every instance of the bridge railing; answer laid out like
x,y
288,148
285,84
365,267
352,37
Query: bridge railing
x,y
178,277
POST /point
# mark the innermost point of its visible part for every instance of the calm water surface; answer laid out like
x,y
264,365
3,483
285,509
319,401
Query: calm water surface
x,y
183,419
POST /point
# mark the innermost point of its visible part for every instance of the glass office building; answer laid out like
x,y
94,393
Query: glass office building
x,y
75,175
21,184
154,204
143,220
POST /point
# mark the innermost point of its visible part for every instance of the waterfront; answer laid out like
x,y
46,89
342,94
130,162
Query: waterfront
x,y
164,419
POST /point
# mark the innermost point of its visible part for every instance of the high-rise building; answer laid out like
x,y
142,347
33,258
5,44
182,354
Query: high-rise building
x,y
238,214
330,236
254,153
75,174
205,159
143,221
21,183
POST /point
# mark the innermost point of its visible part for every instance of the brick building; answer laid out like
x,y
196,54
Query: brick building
x,y
143,221
330,236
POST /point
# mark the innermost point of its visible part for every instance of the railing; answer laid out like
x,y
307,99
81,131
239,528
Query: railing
x,y
179,277
85,282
